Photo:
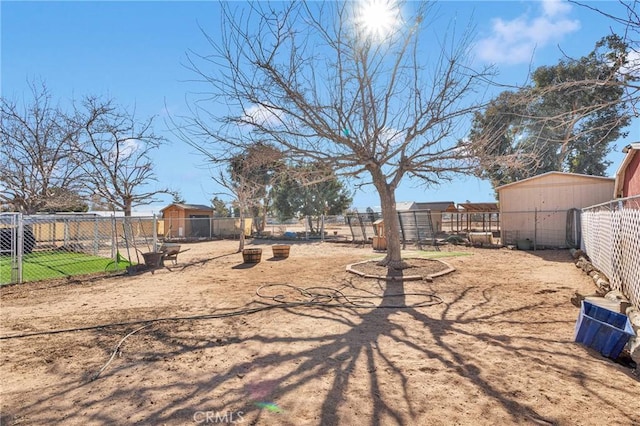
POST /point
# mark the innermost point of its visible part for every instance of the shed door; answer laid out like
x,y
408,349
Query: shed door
x,y
199,225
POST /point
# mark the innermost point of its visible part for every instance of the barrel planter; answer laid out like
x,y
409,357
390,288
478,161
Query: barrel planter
x,y
253,255
281,251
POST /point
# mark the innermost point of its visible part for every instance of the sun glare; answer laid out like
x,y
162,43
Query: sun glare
x,y
377,18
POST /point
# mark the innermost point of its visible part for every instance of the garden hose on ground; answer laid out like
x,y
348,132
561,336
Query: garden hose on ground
x,y
317,296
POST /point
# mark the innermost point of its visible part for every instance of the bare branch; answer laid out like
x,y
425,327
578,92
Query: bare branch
x,y
303,77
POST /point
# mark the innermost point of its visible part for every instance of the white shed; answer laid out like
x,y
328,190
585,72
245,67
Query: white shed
x,y
540,208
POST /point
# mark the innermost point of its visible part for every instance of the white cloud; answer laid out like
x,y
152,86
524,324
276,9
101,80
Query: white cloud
x,y
632,68
261,115
555,7
514,41
125,150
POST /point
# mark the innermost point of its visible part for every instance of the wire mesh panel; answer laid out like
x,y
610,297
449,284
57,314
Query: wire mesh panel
x,y
54,246
611,239
417,226
361,226
544,228
8,248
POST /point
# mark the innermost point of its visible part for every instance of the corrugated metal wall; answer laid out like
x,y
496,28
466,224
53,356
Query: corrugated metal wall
x,y
536,208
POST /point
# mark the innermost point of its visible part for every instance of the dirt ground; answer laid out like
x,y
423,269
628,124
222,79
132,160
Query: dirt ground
x,y
490,343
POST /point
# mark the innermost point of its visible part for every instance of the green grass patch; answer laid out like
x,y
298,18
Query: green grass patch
x,y
49,265
435,254
428,254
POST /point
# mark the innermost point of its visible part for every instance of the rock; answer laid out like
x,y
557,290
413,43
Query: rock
x,y
634,315
617,296
634,342
577,253
603,285
577,298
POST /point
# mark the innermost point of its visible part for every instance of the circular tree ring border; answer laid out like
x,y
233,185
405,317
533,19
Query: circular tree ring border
x,y
429,277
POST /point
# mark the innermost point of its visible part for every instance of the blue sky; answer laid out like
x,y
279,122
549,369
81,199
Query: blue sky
x,y
135,52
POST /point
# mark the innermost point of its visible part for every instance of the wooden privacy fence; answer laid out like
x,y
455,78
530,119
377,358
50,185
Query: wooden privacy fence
x,y
611,239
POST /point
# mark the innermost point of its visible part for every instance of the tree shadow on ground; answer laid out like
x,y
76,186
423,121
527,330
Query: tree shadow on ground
x,y
284,366
553,255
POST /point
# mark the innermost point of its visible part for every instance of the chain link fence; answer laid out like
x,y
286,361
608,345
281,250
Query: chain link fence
x,y
611,239
541,229
44,247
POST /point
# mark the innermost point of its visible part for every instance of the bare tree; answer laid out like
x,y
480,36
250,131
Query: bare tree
x,y
114,152
376,103
36,148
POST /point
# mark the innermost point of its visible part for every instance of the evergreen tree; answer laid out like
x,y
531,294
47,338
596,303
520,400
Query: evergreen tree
x,y
565,121
294,196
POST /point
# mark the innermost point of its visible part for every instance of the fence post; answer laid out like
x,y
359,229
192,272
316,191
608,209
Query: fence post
x,y
415,224
322,228
535,229
20,247
114,241
155,233
404,239
95,236
65,238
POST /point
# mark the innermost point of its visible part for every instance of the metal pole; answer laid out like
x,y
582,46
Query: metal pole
x,y
114,241
535,228
155,233
20,247
95,236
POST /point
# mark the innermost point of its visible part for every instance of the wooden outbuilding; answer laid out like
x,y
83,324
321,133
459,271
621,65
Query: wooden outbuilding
x,y
543,209
628,174
187,220
473,217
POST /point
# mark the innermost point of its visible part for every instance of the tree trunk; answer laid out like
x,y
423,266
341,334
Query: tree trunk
x,y
241,238
127,208
393,259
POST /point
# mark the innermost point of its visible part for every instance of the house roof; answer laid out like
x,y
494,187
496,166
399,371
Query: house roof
x,y
188,206
404,206
543,175
439,206
631,150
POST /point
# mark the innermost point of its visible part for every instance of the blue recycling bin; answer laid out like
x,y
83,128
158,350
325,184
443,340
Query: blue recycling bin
x,y
603,330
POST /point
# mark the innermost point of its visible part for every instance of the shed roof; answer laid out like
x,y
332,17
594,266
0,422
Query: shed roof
x,y
188,206
544,175
439,206
405,205
480,207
